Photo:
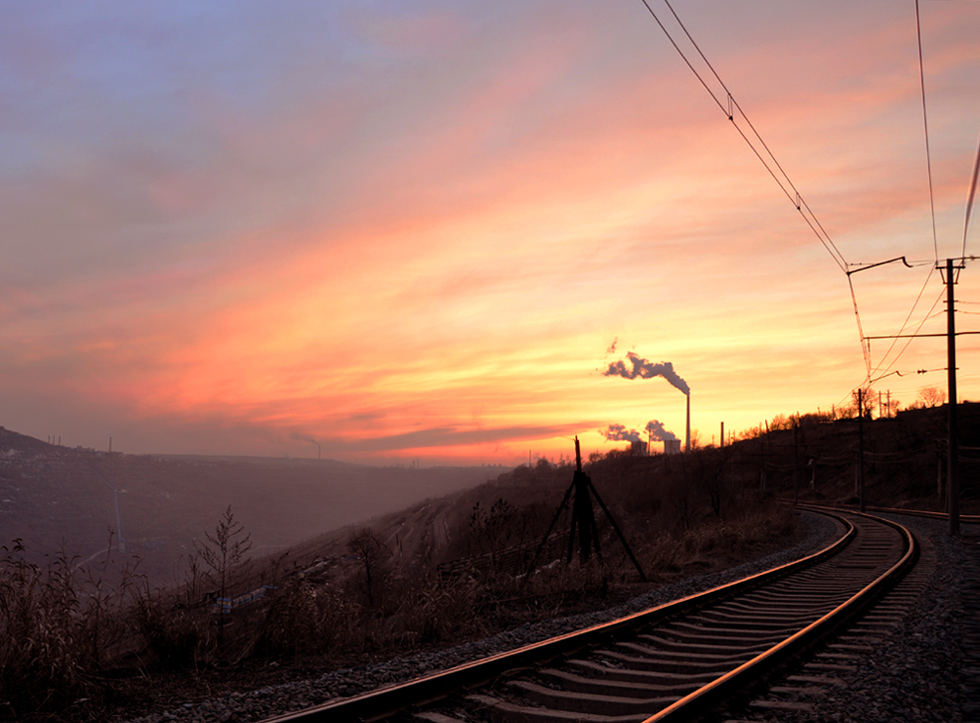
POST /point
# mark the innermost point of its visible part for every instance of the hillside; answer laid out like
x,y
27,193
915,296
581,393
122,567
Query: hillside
x,y
51,495
905,462
433,573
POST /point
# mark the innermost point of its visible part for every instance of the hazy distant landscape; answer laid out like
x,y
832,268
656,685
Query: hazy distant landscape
x,y
52,496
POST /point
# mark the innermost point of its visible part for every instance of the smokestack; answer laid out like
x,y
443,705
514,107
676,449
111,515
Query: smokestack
x,y
687,441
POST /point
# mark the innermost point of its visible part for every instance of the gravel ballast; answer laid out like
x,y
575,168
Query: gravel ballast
x,y
932,635
918,673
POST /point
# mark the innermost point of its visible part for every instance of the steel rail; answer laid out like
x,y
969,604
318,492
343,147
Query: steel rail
x,y
378,704
967,519
930,514
754,670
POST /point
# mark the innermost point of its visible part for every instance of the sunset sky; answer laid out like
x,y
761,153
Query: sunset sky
x,y
424,230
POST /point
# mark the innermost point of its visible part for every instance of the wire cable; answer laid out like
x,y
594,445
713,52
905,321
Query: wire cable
x,y
925,124
905,325
865,343
970,199
942,294
765,155
782,179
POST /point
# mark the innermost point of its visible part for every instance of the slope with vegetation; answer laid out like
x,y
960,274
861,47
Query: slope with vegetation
x,y
83,647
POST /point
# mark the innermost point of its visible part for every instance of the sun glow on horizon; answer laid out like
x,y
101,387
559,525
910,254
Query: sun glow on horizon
x,y
413,234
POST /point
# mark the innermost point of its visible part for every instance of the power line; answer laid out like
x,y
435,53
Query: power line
x,y
767,158
865,345
971,197
925,124
905,324
764,154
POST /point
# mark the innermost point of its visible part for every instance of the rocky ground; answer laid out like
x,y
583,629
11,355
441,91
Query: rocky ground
x,y
927,671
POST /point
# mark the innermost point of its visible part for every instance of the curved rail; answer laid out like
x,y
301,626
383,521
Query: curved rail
x,y
930,514
382,703
964,519
765,662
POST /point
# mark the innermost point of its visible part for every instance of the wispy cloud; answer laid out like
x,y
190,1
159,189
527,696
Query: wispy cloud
x,y
409,228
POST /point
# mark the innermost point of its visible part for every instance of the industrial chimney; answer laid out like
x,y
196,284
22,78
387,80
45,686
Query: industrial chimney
x,y
687,440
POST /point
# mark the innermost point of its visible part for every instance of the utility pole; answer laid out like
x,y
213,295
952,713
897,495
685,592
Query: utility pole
x,y
796,459
861,445
952,466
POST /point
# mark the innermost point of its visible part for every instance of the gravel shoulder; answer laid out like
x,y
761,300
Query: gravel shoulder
x,y
926,671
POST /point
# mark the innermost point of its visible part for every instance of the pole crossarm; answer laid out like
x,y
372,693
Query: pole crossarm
x,y
865,267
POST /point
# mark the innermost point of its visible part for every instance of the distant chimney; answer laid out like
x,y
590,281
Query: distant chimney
x,y
687,441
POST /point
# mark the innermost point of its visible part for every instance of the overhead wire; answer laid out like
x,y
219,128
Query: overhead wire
x,y
970,199
925,124
778,173
796,198
767,158
905,325
932,206
911,338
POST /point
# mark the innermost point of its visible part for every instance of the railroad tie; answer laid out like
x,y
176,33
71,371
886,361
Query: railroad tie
x,y
505,712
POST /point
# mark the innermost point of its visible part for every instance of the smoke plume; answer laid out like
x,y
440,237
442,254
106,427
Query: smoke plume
x,y
640,367
619,433
656,431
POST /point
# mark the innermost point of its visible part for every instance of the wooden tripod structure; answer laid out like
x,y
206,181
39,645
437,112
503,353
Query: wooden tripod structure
x,y
583,519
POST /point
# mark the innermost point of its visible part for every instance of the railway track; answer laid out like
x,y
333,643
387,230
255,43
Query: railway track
x,y
702,655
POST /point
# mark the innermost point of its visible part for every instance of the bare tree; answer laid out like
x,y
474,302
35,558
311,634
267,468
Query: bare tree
x,y
861,402
371,552
223,552
932,396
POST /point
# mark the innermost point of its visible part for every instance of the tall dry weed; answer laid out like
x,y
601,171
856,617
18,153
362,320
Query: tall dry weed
x,y
58,628
307,619
176,634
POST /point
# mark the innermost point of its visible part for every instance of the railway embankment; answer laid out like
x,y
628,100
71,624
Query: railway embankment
x,y
923,670
256,705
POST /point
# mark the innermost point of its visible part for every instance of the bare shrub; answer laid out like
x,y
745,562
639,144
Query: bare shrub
x,y
661,558
304,618
372,555
932,397
439,611
57,628
176,633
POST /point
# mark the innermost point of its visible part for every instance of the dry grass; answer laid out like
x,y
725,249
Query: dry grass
x,y
59,631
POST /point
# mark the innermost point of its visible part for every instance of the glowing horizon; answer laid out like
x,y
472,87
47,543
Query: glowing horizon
x,y
415,232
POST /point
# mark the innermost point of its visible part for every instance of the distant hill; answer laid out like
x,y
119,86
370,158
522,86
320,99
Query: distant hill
x,y
653,496
52,496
